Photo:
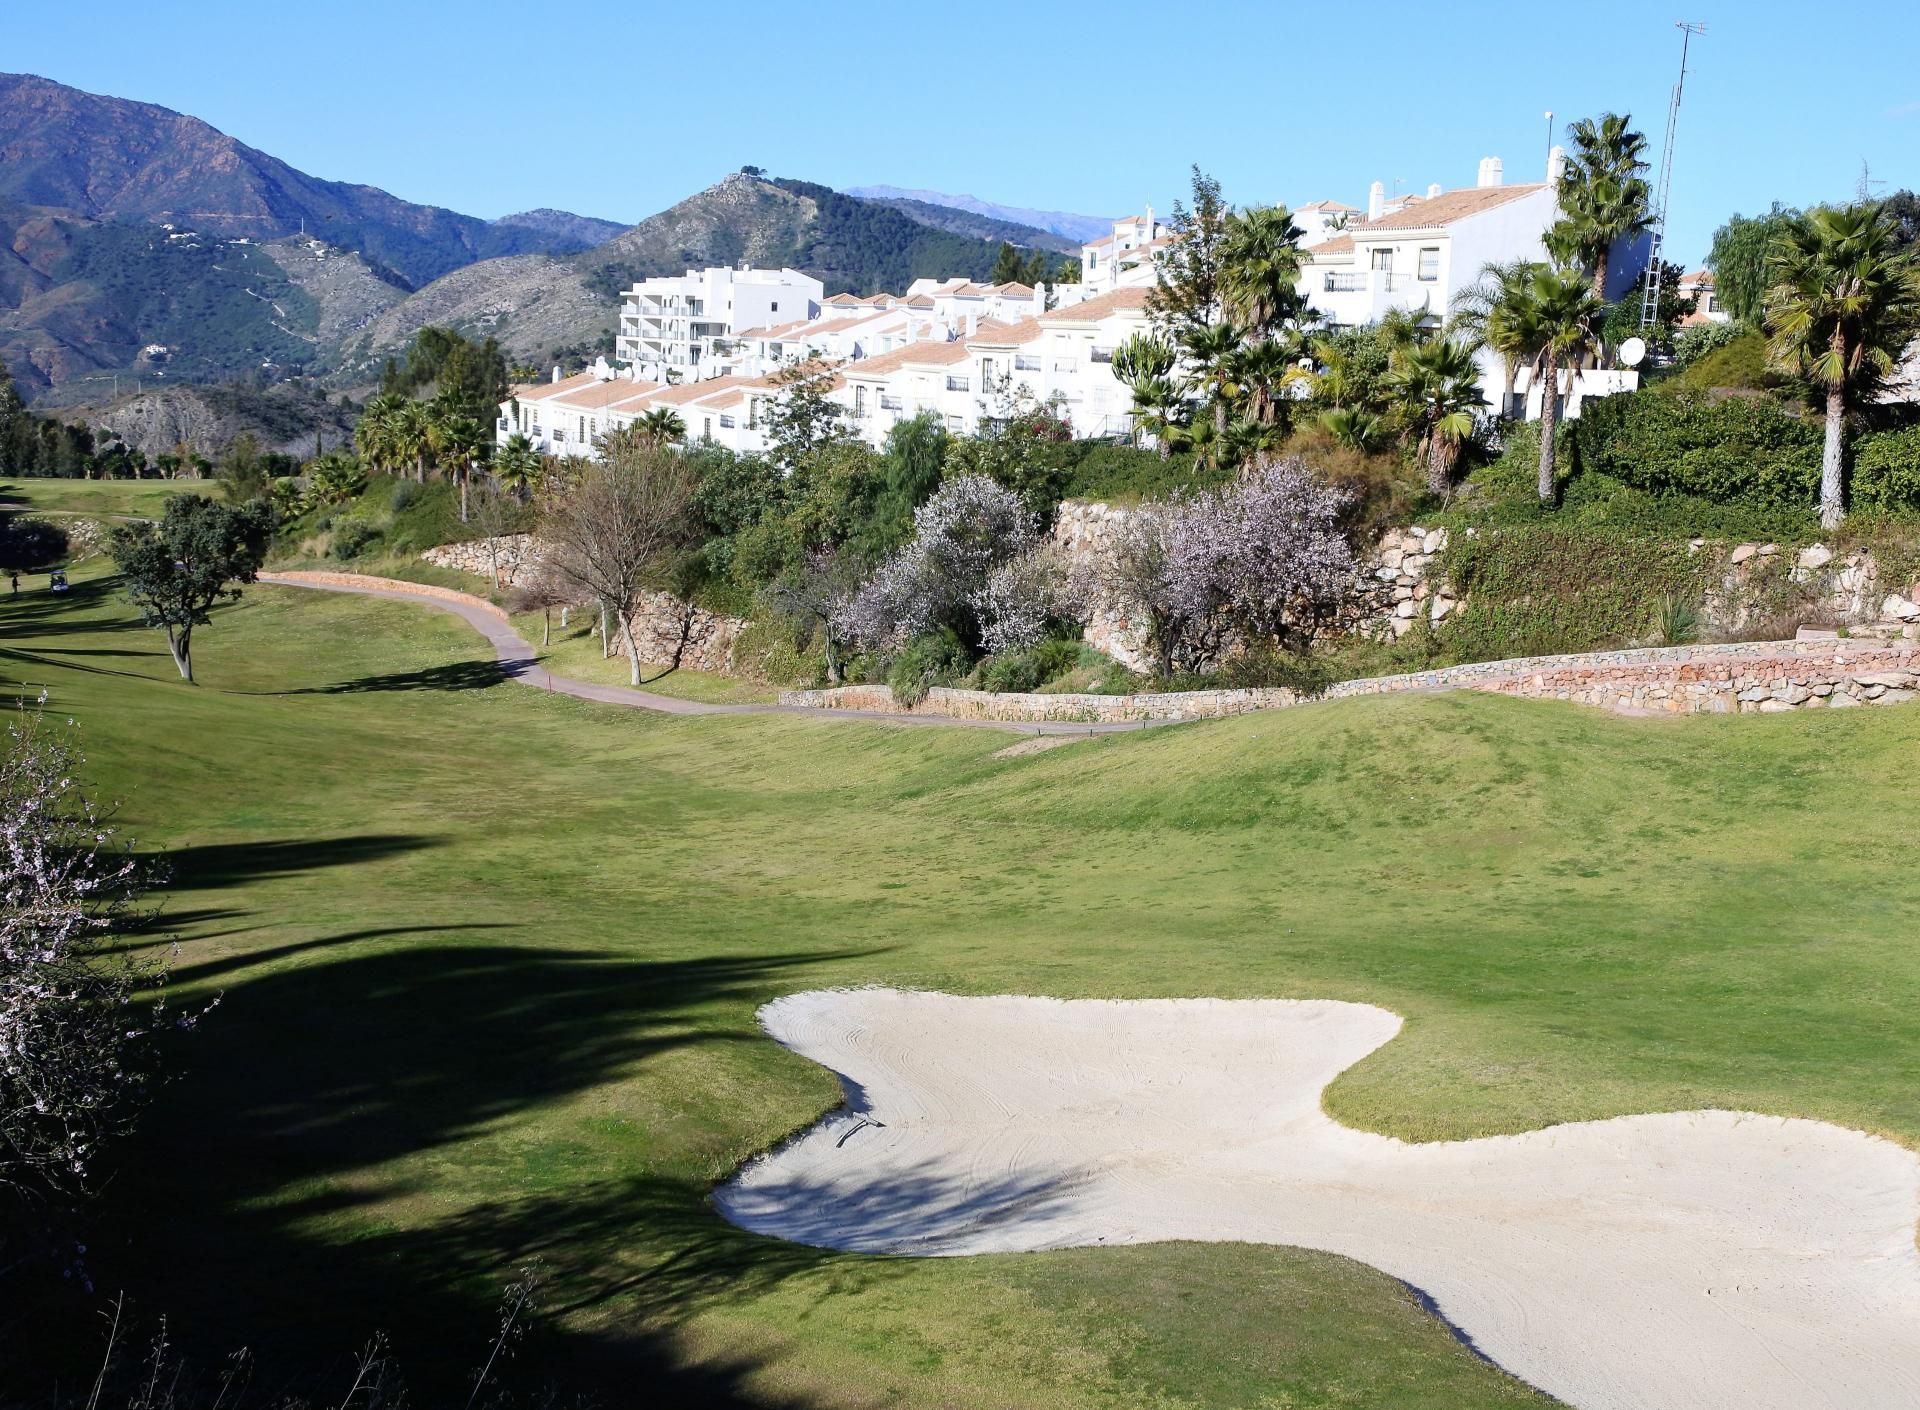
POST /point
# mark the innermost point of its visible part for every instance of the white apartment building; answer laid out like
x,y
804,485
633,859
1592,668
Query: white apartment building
x,y
679,327
1697,290
1123,259
1416,253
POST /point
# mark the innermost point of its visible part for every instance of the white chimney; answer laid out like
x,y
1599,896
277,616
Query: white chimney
x,y
1376,199
1433,190
1556,163
556,372
1492,172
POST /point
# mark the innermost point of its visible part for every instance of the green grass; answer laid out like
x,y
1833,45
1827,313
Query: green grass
x,y
138,498
488,961
575,652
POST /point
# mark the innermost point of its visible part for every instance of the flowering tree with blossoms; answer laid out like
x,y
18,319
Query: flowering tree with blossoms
x,y
968,528
1262,560
75,1016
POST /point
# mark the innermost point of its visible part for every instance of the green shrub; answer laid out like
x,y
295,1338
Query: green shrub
x,y
431,516
1547,589
1720,448
936,659
353,538
1676,621
1886,470
1739,364
405,492
1014,672
1692,344
1101,470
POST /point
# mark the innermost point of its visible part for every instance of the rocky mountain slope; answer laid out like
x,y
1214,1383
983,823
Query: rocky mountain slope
x,y
584,231
289,417
111,159
1078,229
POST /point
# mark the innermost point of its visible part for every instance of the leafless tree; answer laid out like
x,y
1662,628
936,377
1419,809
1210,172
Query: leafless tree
x,y
625,522
497,515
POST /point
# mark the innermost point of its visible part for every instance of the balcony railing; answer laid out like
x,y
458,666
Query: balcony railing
x,y
959,384
1103,354
1346,283
892,404
1026,364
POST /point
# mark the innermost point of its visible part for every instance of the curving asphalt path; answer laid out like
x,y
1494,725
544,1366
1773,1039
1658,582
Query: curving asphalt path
x,y
518,662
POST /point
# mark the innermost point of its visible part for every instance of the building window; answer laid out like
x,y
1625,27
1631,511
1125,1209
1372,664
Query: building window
x,y
986,372
1024,363
1103,354
708,432
580,428
859,401
953,424
726,422
775,306
1383,261
1430,262
959,384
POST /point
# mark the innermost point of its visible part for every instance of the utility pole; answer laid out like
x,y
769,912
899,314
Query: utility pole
x,y
1650,291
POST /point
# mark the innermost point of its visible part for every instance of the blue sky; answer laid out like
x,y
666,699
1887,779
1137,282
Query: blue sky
x,y
618,110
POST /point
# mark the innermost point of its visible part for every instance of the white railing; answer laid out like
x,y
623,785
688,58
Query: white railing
x,y
1345,283
959,384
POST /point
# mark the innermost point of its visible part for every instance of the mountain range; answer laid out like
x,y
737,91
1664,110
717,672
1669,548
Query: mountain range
x,y
1076,229
140,243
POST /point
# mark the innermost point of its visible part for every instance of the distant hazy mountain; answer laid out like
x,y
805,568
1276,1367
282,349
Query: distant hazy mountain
x,y
102,158
1077,228
583,231
980,227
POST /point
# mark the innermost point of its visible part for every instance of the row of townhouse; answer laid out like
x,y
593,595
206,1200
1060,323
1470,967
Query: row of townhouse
x,y
709,344
967,381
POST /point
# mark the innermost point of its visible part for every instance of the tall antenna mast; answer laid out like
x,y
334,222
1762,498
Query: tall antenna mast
x,y
1650,290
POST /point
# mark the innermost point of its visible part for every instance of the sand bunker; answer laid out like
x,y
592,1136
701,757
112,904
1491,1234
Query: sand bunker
x,y
1698,1259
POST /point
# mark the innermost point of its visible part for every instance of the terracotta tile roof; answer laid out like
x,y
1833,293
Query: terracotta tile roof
x,y
775,330
540,391
1100,306
1448,207
927,354
1327,206
843,299
1699,279
995,333
603,394
1338,245
691,391
922,302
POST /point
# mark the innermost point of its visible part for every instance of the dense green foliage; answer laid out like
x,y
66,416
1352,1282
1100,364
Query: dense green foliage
x,y
1745,448
469,376
1738,259
1550,588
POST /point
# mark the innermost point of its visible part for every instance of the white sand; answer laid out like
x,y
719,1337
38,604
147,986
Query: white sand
x,y
1697,1259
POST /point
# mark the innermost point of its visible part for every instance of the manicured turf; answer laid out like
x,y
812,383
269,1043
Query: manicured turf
x,y
489,958
139,498
575,652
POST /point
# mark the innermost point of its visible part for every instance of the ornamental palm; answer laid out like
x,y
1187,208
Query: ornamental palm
x,y
1604,197
661,426
1352,428
1843,303
1158,409
1260,268
516,465
1558,314
1210,350
1263,370
1492,313
457,441
377,434
1440,384
411,439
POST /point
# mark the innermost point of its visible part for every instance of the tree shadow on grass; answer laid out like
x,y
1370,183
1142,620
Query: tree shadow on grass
x,y
221,864
456,675
248,1211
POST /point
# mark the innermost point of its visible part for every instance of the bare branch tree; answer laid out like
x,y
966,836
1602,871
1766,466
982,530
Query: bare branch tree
x,y
624,523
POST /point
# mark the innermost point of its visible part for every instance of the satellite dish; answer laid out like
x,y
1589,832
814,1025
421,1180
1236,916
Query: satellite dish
x,y
1633,352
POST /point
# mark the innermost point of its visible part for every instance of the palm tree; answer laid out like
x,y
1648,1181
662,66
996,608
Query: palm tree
x,y
1260,268
1492,313
457,441
1604,196
1351,427
1210,349
1440,383
411,437
1843,303
1143,364
516,465
1559,312
661,426
377,434
1263,370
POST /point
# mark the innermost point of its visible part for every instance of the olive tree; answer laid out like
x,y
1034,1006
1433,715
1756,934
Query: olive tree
x,y
177,569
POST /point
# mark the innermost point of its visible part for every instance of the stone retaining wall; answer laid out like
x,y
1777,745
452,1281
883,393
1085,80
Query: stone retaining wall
x,y
1744,677
478,556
